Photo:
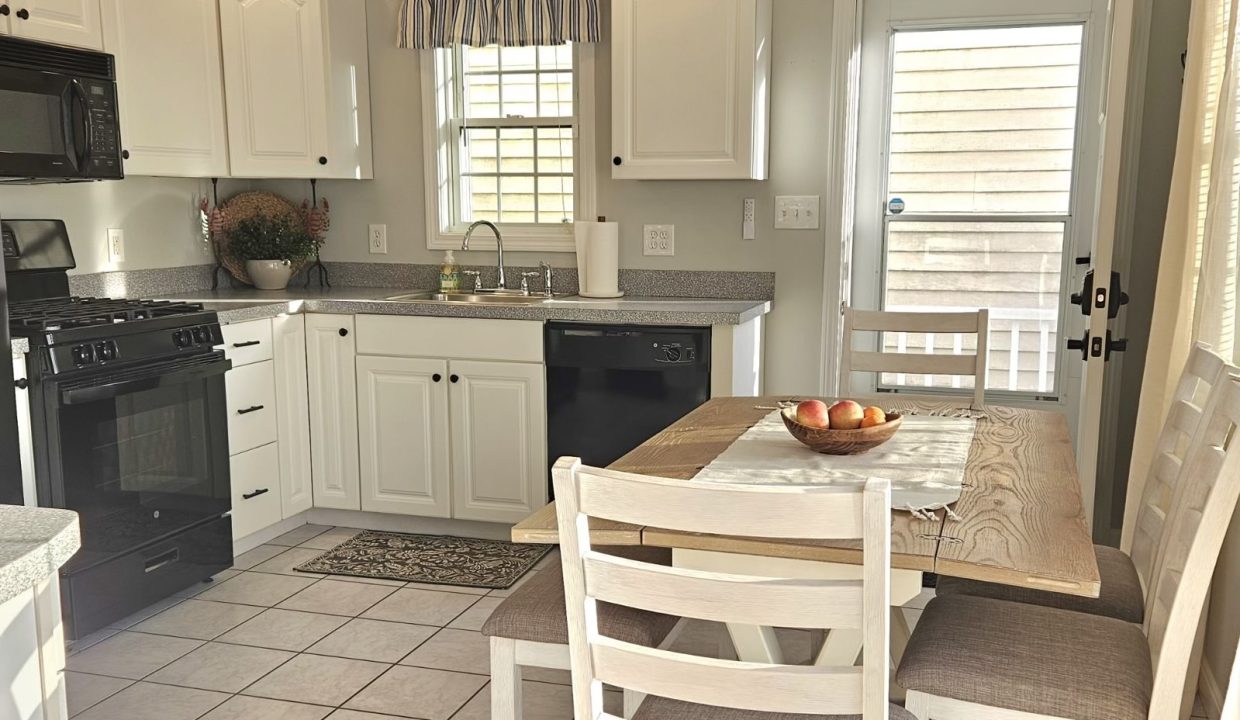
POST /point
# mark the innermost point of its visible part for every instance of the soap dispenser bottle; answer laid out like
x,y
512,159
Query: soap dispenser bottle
x,y
449,274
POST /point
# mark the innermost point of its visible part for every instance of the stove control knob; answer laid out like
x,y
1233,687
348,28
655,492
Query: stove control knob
x,y
182,338
106,351
83,355
202,335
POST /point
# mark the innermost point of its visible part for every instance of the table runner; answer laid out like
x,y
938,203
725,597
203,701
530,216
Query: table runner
x,y
924,460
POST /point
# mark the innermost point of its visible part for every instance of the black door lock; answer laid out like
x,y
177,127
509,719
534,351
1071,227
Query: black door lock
x,y
1082,344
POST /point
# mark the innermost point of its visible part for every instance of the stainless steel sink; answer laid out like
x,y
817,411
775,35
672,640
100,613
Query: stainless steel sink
x,y
482,298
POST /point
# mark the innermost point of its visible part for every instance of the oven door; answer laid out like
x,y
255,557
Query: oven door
x,y
44,129
141,454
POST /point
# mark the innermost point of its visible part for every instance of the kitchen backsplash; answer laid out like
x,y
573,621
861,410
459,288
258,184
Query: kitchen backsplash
x,y
643,283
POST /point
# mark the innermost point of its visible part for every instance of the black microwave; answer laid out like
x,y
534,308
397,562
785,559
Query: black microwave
x,y
59,121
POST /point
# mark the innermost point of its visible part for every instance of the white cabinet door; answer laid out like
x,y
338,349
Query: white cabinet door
x,y
403,433
333,411
348,93
170,85
499,440
690,89
251,406
292,413
64,22
255,496
276,87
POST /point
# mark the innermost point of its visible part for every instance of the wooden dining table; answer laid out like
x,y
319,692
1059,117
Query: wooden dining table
x,y
1020,517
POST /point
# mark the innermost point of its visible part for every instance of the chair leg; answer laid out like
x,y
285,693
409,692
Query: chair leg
x,y
505,680
918,704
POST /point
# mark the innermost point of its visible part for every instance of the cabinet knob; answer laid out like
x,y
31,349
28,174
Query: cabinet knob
x,y
617,160
20,383
322,160
24,14
454,377
436,377
4,10
124,154
344,332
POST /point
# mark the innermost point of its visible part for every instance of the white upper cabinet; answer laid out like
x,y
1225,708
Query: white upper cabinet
x,y
690,89
170,85
296,79
64,22
275,82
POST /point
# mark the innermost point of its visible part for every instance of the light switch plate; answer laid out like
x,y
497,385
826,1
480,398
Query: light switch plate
x,y
658,239
796,212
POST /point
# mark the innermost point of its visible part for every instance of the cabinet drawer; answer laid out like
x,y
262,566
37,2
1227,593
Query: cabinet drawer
x,y
247,342
251,406
460,338
255,490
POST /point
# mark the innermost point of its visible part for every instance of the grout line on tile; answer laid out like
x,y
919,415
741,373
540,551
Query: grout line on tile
x,y
485,686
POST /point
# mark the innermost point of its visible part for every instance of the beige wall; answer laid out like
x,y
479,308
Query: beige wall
x,y
158,215
706,214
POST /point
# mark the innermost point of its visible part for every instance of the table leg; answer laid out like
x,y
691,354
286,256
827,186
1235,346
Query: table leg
x,y
843,647
755,643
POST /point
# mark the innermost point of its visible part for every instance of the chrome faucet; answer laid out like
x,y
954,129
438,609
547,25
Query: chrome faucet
x,y
499,243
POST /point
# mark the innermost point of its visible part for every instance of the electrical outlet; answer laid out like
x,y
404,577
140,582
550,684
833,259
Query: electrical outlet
x,y
658,239
116,245
796,212
748,230
378,239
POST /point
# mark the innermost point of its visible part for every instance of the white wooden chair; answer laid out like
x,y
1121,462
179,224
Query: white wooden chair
x,y
973,658
1126,572
960,363
677,685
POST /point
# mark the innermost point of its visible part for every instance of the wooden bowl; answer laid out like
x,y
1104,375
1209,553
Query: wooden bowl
x,y
841,442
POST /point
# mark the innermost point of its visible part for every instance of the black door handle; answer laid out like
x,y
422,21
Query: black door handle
x,y
256,493
4,10
247,343
1081,344
454,377
24,14
322,160
252,408
21,383
436,377
344,332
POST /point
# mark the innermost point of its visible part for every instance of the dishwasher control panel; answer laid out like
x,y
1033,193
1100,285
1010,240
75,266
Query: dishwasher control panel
x,y
674,352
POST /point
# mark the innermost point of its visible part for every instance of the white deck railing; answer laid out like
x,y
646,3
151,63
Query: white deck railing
x,y
1043,321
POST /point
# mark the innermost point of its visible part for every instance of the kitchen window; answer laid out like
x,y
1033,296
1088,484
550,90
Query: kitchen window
x,y
509,138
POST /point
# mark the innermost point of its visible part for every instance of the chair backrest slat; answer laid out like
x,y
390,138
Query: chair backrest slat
x,y
960,363
758,511
1209,488
1143,532
786,602
786,512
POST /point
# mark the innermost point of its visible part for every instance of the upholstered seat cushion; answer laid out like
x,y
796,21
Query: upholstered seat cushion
x,y
657,708
535,611
1121,596
1030,658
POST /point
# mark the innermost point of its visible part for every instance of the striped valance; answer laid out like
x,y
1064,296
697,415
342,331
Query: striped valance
x,y
447,23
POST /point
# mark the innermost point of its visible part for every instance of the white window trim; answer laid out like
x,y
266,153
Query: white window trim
x,y
436,133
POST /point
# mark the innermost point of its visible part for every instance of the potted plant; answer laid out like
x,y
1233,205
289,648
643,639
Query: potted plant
x,y
270,246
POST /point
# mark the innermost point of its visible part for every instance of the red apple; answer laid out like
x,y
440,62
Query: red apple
x,y
813,413
845,415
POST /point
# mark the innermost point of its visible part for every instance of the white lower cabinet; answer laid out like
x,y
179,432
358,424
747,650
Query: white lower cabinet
x,y
499,440
403,429
255,490
330,353
292,413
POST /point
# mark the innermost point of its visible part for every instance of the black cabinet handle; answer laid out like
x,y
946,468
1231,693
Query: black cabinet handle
x,y
21,383
322,160
344,332
4,10
252,408
454,377
616,160
24,14
436,377
248,343
256,493
124,154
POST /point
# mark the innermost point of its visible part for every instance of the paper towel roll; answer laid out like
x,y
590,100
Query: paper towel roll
x,y
598,258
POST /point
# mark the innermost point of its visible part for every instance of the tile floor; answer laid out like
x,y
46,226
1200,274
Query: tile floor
x,y
263,642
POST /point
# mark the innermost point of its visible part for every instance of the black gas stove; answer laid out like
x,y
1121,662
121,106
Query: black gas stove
x,y
128,426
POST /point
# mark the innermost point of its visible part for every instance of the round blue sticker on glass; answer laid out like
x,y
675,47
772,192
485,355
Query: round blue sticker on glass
x,y
895,206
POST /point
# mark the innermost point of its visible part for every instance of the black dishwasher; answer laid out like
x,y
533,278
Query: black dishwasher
x,y
612,387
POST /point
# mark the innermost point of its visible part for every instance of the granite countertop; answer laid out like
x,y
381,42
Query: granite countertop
x,y
239,305
34,543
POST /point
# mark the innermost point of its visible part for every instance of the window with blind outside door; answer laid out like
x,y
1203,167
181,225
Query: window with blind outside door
x,y
981,157
507,136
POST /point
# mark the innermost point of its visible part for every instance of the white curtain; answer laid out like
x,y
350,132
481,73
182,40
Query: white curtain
x,y
1195,299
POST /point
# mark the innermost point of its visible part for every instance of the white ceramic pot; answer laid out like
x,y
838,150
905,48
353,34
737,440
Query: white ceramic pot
x,y
269,274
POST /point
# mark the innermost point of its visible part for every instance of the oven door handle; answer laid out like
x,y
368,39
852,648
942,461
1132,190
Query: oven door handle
x,y
88,131
94,393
